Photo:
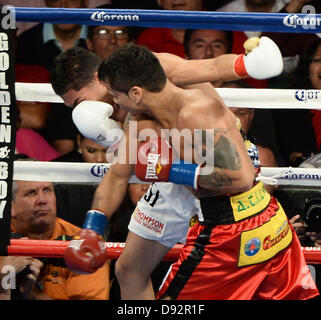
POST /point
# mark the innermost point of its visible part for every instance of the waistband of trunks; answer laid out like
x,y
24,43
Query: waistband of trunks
x,y
231,209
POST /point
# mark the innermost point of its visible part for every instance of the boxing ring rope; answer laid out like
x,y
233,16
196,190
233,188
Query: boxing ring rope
x,y
233,97
254,98
55,249
70,172
275,22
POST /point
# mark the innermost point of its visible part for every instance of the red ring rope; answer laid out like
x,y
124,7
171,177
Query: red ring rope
x,y
55,249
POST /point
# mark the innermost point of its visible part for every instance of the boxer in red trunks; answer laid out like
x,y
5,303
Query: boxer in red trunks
x,y
247,250
244,248
138,84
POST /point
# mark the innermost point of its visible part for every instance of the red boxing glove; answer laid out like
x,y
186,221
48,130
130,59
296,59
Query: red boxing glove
x,y
154,160
86,252
155,164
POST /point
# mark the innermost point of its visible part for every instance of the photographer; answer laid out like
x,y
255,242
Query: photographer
x,y
26,269
308,229
315,237
308,226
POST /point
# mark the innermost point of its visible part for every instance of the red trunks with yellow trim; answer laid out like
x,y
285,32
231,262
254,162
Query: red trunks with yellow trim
x,y
244,249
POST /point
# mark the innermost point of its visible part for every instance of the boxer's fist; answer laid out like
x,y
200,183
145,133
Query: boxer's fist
x,y
154,164
154,160
92,118
86,252
262,59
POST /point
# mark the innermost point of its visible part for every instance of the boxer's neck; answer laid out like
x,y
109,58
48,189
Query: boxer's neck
x,y
164,106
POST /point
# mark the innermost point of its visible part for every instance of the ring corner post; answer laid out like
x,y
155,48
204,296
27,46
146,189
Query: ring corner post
x,y
7,124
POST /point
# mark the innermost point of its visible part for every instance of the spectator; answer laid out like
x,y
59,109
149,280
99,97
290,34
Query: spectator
x,y
32,115
307,76
34,145
39,46
104,40
287,42
61,131
206,44
87,151
25,271
29,142
309,239
141,4
43,42
246,115
34,215
23,26
298,131
165,39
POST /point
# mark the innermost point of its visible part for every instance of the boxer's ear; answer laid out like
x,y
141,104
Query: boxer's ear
x,y
135,93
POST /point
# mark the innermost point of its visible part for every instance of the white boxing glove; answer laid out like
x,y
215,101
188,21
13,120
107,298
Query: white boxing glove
x,y
262,60
93,122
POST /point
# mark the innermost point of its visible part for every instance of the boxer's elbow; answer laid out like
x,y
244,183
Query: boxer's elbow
x,y
246,181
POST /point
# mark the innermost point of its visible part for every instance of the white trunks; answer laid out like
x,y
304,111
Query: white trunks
x,y
163,213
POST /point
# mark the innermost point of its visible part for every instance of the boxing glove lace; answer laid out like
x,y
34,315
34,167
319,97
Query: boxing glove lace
x,y
262,59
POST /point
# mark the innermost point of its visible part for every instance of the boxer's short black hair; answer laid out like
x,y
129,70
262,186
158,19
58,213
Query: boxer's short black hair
x,y
73,69
132,65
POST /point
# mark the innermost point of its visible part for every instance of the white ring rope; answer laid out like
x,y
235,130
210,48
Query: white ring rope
x,y
74,172
65,172
233,97
246,98
36,92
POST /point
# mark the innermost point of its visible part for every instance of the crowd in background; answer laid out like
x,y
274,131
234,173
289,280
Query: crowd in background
x,y
294,135
45,132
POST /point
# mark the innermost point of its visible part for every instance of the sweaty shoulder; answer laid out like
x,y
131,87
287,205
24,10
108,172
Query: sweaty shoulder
x,y
201,111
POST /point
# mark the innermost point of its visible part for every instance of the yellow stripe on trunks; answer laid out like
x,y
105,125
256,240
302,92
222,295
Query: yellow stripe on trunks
x,y
249,203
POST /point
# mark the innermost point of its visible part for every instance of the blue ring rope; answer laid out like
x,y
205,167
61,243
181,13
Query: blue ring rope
x,y
272,22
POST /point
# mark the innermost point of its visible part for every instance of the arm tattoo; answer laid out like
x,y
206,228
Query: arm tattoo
x,y
226,156
225,153
216,180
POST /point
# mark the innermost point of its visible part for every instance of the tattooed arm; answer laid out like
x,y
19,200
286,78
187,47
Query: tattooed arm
x,y
226,176
230,170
